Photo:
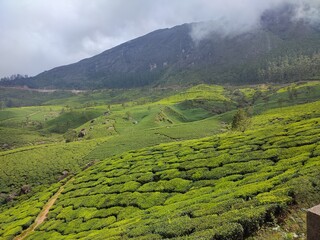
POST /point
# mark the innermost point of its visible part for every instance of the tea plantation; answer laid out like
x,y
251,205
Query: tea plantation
x,y
15,219
223,184
41,164
222,187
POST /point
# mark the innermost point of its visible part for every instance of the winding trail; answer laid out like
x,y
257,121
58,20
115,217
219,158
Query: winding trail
x,y
42,215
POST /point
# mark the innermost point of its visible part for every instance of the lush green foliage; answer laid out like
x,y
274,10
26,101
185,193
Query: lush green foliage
x,y
286,68
209,92
222,187
41,164
240,120
72,119
25,125
19,217
20,97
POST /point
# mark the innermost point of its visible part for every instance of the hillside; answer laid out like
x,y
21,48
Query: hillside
x,y
282,49
223,187
207,130
169,166
43,140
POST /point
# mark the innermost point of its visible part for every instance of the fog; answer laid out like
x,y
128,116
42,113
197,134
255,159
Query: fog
x,y
37,35
244,16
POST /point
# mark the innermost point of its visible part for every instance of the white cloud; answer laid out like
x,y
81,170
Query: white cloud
x,y
37,35
232,17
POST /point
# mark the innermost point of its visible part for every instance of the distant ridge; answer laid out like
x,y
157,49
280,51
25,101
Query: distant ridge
x,y
281,50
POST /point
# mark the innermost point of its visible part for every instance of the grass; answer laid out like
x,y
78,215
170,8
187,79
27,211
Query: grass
x,y
220,185
43,164
21,137
211,92
72,119
24,126
150,129
10,97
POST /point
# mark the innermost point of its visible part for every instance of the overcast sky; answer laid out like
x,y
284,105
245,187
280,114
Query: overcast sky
x,y
37,35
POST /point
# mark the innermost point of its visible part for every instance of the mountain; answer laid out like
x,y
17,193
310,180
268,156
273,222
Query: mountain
x,y
283,48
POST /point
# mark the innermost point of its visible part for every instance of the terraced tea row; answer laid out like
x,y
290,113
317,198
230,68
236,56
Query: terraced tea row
x,y
219,187
17,218
223,187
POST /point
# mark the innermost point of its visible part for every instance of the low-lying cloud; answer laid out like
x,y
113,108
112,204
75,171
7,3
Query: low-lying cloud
x,y
37,35
245,16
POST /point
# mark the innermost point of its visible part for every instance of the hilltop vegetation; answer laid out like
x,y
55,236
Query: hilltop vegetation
x,y
222,184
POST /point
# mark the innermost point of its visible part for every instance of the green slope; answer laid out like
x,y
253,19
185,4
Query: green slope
x,y
42,164
126,127
222,187
159,192
17,218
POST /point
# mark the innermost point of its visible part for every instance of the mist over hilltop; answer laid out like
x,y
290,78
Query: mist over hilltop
x,y
39,35
240,43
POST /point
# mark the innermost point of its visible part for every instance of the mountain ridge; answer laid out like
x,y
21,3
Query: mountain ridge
x,y
171,56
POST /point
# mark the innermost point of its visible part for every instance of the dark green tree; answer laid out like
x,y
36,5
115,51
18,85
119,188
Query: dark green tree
x,y
70,135
2,105
241,120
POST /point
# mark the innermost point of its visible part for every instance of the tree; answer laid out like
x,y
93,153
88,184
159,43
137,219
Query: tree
x,y
290,93
241,120
2,105
128,116
70,135
257,94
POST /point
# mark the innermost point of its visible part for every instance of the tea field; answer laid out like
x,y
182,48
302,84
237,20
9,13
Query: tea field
x,y
17,218
222,187
41,164
168,167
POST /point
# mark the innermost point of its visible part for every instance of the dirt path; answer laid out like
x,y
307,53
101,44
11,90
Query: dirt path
x,y
42,215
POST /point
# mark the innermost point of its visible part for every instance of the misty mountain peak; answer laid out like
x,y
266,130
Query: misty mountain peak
x,y
289,18
281,16
212,51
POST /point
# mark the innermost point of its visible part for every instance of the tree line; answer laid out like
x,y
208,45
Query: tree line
x,y
288,69
13,77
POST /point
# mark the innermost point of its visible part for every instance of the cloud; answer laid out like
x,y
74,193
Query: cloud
x,y
236,17
309,11
37,35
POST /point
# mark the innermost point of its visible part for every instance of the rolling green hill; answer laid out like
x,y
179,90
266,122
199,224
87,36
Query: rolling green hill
x,y
222,187
170,137
201,111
